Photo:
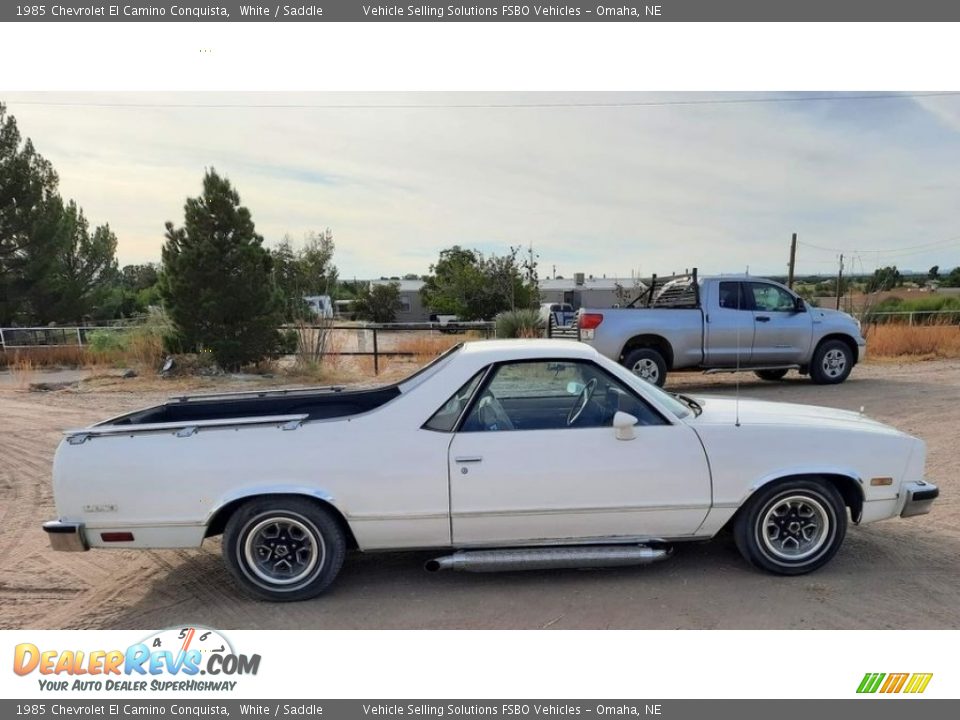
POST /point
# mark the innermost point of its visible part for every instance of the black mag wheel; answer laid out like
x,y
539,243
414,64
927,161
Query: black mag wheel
x,y
792,528
283,549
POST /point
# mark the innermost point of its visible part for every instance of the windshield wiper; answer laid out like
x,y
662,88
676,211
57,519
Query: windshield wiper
x,y
690,403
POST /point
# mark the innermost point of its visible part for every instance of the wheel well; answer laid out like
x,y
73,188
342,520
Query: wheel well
x,y
848,488
660,344
220,518
846,339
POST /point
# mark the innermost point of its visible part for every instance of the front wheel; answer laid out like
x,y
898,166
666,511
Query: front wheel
x,y
832,362
791,528
648,364
283,549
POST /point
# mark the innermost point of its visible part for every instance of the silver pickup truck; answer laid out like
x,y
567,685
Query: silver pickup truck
x,y
725,324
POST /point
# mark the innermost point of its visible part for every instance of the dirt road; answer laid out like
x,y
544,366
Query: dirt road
x,y
896,574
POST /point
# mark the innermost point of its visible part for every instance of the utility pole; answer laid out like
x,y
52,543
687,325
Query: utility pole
x,y
839,281
793,260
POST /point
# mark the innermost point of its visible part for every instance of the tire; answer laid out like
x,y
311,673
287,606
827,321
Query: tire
x,y
832,362
770,531
305,543
647,364
771,375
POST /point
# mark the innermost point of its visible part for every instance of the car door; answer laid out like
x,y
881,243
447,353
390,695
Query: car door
x,y
781,334
729,326
526,467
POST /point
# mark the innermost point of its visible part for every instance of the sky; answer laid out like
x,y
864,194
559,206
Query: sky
x,y
601,183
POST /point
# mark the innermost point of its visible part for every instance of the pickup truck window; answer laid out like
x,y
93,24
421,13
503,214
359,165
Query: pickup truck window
x,y
553,395
731,296
770,298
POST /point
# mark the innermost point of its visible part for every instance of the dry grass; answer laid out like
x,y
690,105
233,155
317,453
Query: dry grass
x,y
427,347
919,342
23,371
46,357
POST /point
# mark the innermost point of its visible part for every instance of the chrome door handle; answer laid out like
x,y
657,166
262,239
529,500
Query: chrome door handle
x,y
468,459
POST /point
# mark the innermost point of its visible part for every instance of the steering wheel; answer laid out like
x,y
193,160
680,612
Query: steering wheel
x,y
581,402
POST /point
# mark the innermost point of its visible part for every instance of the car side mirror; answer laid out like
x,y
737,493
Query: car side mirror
x,y
799,305
624,423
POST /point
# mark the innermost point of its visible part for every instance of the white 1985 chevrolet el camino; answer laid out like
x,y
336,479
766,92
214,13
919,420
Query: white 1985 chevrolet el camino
x,y
506,454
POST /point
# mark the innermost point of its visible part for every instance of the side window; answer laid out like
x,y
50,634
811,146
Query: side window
x,y
731,296
445,419
552,395
770,298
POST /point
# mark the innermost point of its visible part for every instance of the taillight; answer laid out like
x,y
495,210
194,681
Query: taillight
x,y
589,321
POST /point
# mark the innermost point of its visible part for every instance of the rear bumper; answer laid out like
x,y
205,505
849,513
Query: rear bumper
x,y
919,498
65,536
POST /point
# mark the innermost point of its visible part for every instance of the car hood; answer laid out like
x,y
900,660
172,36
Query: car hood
x,y
725,410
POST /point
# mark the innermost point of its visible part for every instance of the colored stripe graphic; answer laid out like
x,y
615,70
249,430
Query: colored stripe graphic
x,y
918,682
894,683
870,682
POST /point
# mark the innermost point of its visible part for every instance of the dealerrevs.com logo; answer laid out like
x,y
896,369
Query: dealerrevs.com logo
x,y
178,659
911,683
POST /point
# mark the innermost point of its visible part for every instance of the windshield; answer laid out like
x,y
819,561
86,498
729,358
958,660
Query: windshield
x,y
672,401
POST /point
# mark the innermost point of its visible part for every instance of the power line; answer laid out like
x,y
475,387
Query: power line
x,y
493,106
909,249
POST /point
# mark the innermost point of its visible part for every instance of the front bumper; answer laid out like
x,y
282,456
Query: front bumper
x,y
65,536
919,498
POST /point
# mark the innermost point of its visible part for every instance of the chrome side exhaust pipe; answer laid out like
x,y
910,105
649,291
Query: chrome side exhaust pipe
x,y
548,558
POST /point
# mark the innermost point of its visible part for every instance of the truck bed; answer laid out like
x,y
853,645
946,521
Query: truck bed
x,y
323,404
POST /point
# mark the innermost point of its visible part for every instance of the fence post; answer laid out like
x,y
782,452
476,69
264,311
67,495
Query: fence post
x,y
79,338
376,358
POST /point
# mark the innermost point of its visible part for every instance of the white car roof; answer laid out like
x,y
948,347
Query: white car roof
x,y
497,350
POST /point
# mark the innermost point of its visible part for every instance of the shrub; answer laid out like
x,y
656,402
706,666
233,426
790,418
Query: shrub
x,y
525,323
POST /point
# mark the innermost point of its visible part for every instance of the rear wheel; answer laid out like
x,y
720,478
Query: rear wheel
x,y
832,362
648,364
283,549
792,528
771,375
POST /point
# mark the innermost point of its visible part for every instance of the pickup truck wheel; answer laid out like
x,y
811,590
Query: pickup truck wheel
x,y
832,363
771,375
792,528
283,550
648,364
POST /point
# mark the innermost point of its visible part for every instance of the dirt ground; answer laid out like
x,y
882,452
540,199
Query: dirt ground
x,y
894,574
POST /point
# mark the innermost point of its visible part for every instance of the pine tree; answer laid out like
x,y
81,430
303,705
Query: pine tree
x,y
217,283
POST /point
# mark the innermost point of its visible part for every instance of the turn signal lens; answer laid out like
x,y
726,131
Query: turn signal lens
x,y
881,481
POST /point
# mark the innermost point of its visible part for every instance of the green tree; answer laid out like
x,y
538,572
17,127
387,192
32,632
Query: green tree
x,y
378,303
934,273
471,286
75,277
306,271
217,282
29,208
953,279
885,278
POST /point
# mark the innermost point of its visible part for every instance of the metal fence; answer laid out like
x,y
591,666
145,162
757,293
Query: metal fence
x,y
368,337
910,317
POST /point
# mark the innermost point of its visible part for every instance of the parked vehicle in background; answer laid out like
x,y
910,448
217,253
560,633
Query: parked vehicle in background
x,y
446,323
557,314
725,324
501,455
320,305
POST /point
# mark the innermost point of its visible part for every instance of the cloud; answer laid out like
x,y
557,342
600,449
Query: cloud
x,y
594,189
